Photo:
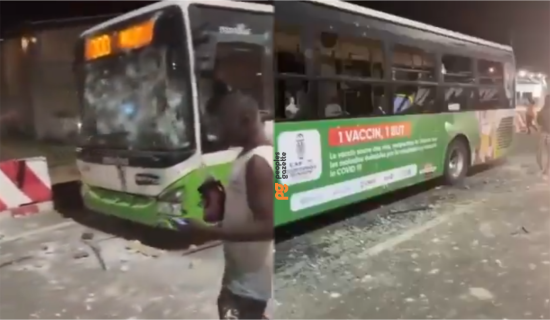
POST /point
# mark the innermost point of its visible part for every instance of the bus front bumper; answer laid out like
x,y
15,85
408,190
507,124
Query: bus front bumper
x,y
139,209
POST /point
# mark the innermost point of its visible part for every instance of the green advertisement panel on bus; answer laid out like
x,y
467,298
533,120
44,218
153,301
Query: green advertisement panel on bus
x,y
333,163
337,162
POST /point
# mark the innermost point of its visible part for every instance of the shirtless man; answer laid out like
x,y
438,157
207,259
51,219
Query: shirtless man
x,y
246,228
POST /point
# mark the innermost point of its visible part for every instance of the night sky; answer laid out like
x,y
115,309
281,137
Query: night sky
x,y
527,21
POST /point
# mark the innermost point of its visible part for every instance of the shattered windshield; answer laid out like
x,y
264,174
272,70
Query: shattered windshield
x,y
139,99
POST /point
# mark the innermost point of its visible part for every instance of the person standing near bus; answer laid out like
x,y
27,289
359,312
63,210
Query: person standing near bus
x,y
246,228
530,115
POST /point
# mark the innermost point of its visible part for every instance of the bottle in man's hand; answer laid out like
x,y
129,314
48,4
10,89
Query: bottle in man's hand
x,y
213,198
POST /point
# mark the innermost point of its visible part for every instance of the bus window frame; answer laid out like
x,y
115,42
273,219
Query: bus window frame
x,y
313,26
306,47
313,18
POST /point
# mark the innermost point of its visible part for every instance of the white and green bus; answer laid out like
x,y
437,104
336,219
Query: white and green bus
x,y
375,103
364,103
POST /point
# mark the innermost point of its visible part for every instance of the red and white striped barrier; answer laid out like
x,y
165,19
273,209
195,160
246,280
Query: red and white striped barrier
x,y
25,186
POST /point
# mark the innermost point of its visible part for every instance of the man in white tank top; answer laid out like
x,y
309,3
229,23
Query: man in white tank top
x,y
247,225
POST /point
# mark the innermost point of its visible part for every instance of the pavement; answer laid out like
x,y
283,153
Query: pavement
x,y
53,273
489,264
481,250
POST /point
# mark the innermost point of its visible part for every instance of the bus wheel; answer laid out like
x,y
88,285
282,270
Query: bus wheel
x,y
456,162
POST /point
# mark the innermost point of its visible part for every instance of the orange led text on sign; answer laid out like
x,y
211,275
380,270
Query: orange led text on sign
x,y
98,47
280,190
136,36
133,37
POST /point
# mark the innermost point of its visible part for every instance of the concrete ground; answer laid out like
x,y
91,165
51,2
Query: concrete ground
x,y
52,273
478,251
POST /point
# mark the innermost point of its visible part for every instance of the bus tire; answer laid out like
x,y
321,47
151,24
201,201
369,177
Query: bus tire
x,y
457,162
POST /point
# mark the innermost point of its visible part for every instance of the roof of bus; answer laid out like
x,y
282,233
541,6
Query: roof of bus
x,y
164,3
409,23
333,3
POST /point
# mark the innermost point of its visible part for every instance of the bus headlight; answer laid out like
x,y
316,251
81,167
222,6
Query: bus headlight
x,y
171,203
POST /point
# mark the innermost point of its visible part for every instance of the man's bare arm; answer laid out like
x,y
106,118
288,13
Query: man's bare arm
x,y
259,189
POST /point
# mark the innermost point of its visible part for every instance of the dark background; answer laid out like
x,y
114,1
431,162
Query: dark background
x,y
526,22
